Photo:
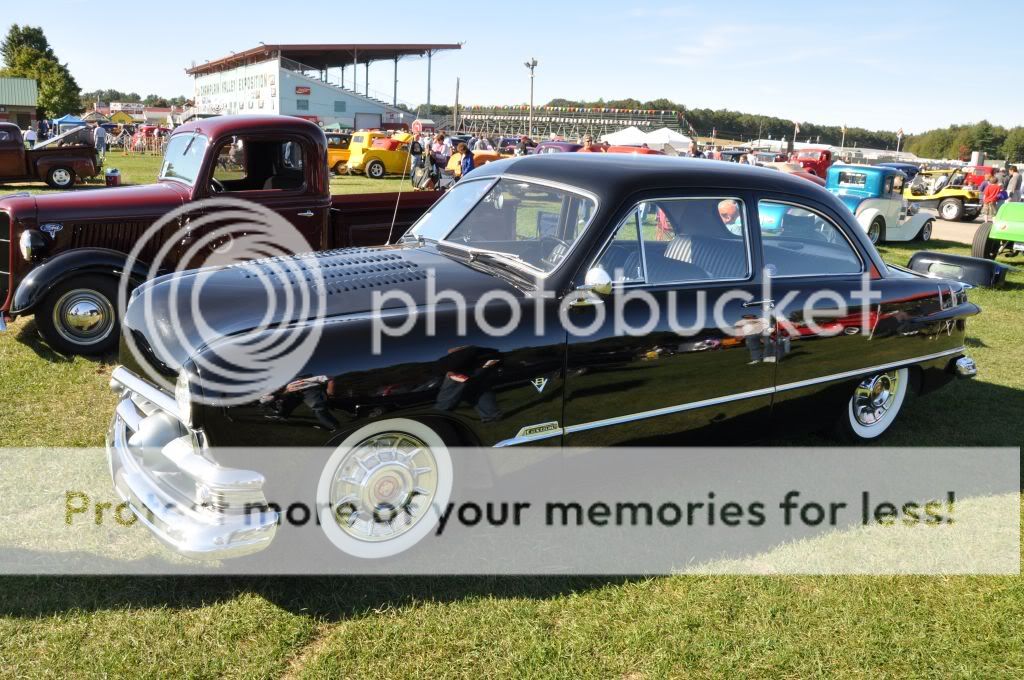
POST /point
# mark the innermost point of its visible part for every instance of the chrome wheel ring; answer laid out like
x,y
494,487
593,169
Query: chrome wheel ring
x,y
874,232
383,486
83,316
949,211
61,177
874,398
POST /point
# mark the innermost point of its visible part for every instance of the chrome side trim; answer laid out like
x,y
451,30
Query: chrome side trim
x,y
569,429
524,436
146,390
668,410
861,371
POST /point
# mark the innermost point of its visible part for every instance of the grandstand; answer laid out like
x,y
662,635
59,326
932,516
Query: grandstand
x,y
571,122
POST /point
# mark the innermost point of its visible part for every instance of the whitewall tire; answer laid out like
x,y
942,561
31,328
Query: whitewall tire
x,y
384,488
875,404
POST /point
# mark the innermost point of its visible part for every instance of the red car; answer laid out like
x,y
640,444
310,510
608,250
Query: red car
x,y
974,175
814,161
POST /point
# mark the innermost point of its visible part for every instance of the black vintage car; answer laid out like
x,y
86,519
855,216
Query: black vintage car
x,y
633,235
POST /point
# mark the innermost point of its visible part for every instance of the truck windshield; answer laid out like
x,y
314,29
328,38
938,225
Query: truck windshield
x,y
184,158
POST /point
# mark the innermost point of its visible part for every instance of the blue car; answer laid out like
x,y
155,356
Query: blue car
x,y
908,169
874,194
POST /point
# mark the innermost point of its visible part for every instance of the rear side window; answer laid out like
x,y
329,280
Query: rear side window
x,y
798,241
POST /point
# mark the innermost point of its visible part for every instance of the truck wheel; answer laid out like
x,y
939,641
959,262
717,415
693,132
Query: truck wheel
x,y
380,491
78,316
340,168
982,245
375,170
60,177
951,209
876,232
874,405
926,232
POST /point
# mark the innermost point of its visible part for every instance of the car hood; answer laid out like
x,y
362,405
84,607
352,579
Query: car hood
x,y
340,284
110,203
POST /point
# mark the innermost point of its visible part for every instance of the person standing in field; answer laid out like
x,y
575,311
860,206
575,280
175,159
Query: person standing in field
x,y
29,137
1013,185
99,137
990,198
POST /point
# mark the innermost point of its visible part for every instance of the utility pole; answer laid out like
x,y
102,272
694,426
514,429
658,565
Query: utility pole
x,y
532,64
455,118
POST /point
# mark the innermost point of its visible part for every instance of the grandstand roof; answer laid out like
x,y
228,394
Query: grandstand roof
x,y
323,56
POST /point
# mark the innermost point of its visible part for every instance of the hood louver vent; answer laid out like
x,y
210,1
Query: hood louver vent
x,y
342,270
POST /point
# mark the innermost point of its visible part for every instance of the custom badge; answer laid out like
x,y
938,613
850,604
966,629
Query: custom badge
x,y
52,228
539,383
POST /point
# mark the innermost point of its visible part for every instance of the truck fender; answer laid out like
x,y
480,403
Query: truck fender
x,y
867,216
34,287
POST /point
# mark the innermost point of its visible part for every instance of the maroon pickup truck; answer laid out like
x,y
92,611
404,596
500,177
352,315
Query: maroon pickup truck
x,y
61,254
58,161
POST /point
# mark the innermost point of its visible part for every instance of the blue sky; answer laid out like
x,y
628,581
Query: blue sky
x,y
911,64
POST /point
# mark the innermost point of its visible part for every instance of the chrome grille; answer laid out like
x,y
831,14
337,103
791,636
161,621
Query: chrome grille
x,y
6,253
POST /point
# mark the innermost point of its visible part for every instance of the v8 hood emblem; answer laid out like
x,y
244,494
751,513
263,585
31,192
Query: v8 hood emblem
x,y
539,383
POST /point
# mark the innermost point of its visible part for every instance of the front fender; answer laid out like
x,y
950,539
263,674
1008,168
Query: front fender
x,y
34,287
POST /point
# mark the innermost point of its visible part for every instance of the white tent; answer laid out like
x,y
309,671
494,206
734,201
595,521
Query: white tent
x,y
663,136
631,136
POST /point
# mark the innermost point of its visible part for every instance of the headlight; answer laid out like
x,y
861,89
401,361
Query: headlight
x,y
32,244
183,397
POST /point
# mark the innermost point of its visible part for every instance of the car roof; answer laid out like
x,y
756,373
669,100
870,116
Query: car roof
x,y
218,126
615,176
867,169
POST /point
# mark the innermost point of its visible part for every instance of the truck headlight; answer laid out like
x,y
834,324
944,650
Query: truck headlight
x,y
183,397
32,243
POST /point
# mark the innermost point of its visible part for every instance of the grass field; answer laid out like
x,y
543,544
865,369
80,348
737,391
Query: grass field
x,y
703,626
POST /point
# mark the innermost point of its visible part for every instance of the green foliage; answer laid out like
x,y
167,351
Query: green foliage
x,y
58,93
1013,146
88,99
24,36
958,141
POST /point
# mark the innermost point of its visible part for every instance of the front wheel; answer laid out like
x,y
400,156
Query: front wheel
x,y
982,245
382,490
951,209
78,316
60,177
874,405
375,170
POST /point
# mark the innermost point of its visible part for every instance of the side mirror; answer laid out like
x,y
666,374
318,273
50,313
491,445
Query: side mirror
x,y
598,281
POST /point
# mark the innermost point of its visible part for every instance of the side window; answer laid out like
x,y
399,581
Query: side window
x,y
801,242
679,240
5,136
887,188
245,164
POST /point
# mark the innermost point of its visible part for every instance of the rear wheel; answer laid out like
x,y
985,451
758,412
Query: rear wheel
x,y
78,316
951,209
926,232
876,232
375,170
874,405
339,168
60,177
982,245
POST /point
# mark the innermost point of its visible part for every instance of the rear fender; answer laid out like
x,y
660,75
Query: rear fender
x,y
867,216
82,167
35,286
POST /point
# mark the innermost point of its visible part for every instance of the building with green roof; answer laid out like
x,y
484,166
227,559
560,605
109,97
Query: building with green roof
x,y
18,100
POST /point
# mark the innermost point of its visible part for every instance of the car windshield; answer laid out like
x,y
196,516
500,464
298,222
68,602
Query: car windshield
x,y
523,223
184,158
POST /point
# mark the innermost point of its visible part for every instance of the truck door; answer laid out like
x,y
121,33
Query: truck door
x,y
12,153
280,172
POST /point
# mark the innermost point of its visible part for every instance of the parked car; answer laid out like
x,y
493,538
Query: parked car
x,y
584,227
57,161
552,147
1005,234
814,161
974,175
947,191
908,169
60,255
338,151
379,154
873,194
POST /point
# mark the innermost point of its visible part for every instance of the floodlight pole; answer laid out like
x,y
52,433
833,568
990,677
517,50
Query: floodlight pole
x,y
532,64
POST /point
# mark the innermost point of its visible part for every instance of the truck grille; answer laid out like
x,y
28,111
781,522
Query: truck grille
x,y
121,236
6,254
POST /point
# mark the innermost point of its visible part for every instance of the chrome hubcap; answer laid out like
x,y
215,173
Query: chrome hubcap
x,y
61,176
874,398
83,316
384,486
949,211
873,233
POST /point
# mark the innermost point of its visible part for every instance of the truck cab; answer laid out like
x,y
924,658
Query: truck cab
x,y
814,161
62,255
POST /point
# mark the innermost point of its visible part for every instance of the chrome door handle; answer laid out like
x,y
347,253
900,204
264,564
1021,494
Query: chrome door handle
x,y
769,304
305,213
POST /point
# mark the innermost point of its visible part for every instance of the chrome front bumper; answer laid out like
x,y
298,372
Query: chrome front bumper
x,y
964,367
194,506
